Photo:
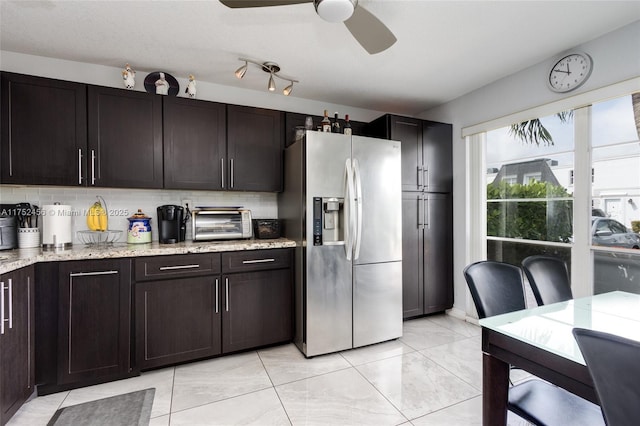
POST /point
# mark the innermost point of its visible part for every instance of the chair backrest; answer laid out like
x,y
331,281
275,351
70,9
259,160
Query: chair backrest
x,y
613,364
549,278
496,287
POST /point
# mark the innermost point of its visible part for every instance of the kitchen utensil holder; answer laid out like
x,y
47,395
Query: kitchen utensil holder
x,y
28,237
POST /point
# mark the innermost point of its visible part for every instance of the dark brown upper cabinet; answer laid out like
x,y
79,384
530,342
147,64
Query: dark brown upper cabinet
x,y
254,149
125,139
44,131
426,151
194,144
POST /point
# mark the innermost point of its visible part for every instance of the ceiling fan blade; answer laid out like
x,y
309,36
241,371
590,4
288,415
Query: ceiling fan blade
x,y
260,3
369,31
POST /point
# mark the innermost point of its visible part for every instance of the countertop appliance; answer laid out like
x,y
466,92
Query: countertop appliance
x,y
220,223
342,205
8,232
171,224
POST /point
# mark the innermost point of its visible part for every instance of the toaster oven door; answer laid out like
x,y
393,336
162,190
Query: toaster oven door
x,y
214,225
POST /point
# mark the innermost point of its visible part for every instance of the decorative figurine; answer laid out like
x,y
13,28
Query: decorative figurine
x,y
129,77
162,85
191,87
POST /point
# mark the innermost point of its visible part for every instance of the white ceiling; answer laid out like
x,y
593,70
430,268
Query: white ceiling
x,y
444,49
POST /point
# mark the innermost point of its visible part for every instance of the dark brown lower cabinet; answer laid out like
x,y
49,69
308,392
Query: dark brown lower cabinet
x,y
177,320
257,309
195,306
427,253
94,320
17,376
83,323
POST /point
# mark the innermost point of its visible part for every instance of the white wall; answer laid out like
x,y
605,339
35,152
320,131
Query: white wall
x,y
616,58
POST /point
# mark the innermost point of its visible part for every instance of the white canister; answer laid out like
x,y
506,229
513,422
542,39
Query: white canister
x,y
56,226
28,238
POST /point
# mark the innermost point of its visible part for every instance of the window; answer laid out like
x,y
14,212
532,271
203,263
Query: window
x,y
529,206
616,191
606,144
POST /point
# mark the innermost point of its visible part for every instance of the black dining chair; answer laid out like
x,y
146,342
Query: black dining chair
x,y
613,364
549,278
498,288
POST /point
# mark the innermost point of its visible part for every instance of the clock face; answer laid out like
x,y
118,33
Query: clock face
x,y
570,72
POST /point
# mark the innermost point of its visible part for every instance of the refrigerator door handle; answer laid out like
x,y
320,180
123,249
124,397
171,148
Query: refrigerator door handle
x,y
358,203
349,210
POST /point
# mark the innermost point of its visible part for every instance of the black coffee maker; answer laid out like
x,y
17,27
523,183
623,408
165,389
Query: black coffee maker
x,y
172,226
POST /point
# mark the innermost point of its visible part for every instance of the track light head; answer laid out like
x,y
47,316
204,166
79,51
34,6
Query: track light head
x,y
240,72
287,90
272,84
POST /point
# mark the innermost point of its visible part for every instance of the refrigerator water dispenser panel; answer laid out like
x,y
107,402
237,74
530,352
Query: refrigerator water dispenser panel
x,y
328,221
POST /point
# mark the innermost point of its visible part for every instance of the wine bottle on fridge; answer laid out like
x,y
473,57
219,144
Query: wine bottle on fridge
x,y
326,124
335,126
346,129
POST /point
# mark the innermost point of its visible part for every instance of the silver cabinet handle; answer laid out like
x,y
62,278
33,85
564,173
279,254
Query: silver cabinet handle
x,y
10,303
428,178
79,166
420,212
232,173
2,308
222,171
226,290
217,286
93,167
248,262
88,274
173,268
427,221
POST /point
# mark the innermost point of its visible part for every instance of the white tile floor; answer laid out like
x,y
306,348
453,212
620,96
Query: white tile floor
x,y
430,376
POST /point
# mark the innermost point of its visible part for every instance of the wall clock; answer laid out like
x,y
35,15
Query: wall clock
x,y
570,72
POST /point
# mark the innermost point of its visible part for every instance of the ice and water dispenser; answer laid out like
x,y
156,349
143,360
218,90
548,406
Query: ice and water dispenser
x,y
328,221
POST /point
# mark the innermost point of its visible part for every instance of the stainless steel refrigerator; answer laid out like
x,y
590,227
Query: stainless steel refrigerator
x,y
342,204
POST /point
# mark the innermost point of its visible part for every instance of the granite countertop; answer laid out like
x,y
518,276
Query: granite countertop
x,y
11,260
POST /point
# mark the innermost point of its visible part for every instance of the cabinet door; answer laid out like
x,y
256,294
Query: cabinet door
x,y
125,138
94,320
257,309
438,253
412,254
254,147
16,341
409,132
437,156
194,144
44,131
177,320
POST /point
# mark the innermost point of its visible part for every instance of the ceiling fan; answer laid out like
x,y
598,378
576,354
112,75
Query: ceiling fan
x,y
368,30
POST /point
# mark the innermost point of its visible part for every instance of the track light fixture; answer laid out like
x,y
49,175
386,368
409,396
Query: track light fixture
x,y
273,69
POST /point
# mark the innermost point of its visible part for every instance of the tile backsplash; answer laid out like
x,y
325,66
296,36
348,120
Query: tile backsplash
x,y
122,203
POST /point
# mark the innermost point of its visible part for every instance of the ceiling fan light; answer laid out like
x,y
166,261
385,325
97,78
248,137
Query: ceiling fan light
x,y
335,10
240,72
272,84
287,90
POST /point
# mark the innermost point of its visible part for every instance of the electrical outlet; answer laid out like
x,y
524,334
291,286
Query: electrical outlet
x,y
187,203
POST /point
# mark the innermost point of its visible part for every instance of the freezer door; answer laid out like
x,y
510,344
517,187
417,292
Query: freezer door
x,y
328,281
377,303
377,166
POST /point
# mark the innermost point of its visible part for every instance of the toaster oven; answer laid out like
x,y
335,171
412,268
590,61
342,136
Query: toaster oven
x,y
220,223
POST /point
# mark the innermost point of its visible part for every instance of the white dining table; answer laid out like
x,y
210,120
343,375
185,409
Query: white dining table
x,y
540,341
